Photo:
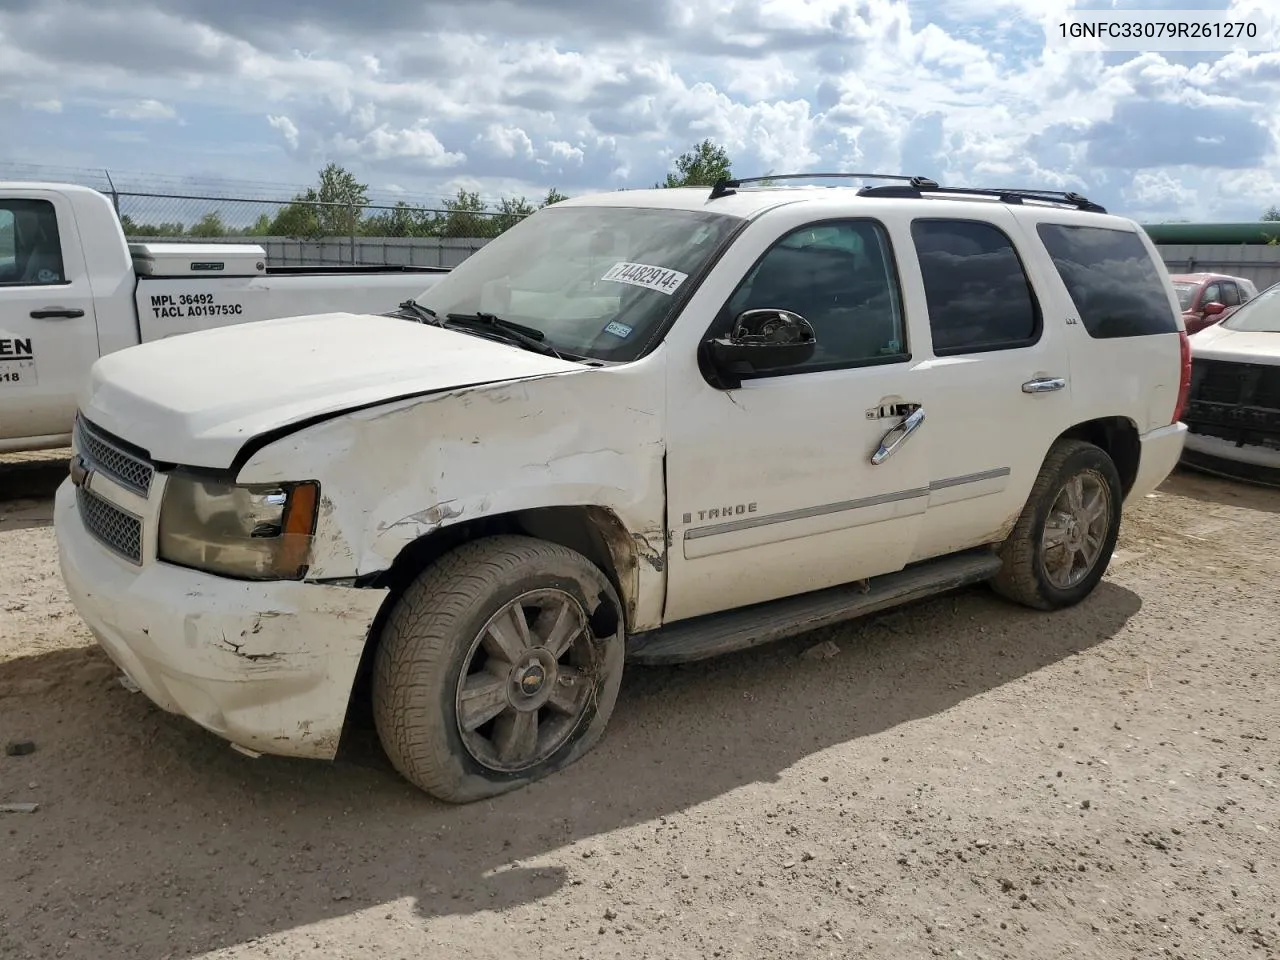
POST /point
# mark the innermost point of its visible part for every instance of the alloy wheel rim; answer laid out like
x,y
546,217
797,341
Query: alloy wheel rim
x,y
1075,529
528,680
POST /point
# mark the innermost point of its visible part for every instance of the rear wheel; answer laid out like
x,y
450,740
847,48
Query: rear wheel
x,y
1062,543
500,664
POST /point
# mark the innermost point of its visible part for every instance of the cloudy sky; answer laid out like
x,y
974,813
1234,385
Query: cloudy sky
x,y
514,96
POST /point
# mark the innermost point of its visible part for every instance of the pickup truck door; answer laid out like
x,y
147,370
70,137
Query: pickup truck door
x,y
48,328
771,489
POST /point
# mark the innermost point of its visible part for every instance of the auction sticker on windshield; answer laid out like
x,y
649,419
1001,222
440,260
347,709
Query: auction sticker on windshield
x,y
651,278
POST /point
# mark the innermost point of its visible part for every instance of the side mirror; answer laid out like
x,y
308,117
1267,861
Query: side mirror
x,y
1213,309
760,340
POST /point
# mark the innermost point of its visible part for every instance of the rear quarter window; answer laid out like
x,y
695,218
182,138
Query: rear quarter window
x,y
1113,282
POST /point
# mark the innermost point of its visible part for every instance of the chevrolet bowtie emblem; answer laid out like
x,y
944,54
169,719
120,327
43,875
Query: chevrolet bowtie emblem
x,y
79,471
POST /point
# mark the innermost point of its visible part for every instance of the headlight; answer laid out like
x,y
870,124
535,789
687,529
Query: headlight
x,y
254,532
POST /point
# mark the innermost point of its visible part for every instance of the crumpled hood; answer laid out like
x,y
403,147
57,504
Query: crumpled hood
x,y
195,399
1219,343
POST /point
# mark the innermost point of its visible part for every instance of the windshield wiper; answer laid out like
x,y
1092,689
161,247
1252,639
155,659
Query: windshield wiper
x,y
425,314
528,337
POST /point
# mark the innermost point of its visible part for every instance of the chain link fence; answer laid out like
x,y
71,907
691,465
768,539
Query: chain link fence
x,y
314,233
300,231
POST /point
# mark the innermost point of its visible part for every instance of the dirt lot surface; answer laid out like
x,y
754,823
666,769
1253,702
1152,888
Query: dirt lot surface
x,y
964,779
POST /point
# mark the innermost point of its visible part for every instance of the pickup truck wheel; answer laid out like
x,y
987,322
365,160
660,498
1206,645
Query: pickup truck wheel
x,y
499,664
1062,543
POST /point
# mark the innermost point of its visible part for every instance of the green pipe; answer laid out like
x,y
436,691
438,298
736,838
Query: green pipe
x,y
1253,232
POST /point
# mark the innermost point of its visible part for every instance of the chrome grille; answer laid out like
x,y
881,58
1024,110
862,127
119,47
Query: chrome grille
x,y
116,529
109,456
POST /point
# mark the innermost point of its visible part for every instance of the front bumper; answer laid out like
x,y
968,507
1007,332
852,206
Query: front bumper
x,y
1159,453
267,666
1249,462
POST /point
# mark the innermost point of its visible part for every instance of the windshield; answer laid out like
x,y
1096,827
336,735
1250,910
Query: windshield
x,y
1259,315
1186,293
596,281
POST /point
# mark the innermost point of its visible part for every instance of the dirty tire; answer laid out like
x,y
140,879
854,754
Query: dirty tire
x,y
432,637
1024,577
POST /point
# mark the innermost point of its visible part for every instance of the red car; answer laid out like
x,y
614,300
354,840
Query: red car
x,y
1207,298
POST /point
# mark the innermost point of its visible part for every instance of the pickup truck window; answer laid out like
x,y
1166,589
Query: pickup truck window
x,y
1112,280
840,276
598,282
978,294
30,249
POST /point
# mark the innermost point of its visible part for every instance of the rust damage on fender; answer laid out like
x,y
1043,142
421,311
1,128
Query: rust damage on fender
x,y
654,556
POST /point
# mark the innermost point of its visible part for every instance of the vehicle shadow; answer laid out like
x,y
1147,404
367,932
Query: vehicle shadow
x,y
34,479
147,817
1206,488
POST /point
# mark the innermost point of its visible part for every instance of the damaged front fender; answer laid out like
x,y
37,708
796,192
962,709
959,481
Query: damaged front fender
x,y
392,475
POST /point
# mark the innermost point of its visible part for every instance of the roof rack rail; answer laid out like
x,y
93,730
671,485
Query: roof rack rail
x,y
725,188
1013,195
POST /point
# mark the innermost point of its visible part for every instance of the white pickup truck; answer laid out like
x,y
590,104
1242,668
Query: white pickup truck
x,y
655,425
72,289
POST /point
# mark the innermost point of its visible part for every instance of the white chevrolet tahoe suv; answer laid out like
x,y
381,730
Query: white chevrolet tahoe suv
x,y
654,425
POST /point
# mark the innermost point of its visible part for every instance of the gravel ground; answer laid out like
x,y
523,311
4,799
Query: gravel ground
x,y
965,778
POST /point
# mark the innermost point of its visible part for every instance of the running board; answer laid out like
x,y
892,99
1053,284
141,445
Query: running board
x,y
713,634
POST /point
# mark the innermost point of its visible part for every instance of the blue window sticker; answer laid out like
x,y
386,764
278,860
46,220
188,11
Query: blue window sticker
x,y
620,330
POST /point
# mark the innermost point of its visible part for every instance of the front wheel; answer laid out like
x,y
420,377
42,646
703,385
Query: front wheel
x,y
499,664
1062,543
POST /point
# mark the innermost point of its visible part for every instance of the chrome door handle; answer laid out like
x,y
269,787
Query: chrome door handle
x,y
1044,385
896,437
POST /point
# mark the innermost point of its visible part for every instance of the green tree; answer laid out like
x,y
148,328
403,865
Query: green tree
x,y
261,227
299,219
1273,213
465,216
333,208
553,196
700,167
401,220
510,212
345,198
133,228
210,225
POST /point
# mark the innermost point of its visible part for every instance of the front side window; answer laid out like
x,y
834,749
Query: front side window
x,y
596,282
1212,294
30,250
838,275
1230,295
1112,280
978,295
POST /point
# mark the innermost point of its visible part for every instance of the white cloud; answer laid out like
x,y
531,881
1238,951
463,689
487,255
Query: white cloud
x,y
143,110
417,144
511,95
286,128
508,141
46,106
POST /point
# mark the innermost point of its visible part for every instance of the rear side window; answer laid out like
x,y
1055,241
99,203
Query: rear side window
x,y
978,295
1112,280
